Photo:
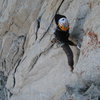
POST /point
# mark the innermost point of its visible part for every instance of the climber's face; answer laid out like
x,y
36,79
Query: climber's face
x,y
63,24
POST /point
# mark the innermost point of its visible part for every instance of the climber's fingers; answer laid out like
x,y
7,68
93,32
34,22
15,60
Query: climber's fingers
x,y
54,40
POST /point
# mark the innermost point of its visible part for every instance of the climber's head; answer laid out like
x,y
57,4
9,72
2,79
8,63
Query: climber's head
x,y
62,22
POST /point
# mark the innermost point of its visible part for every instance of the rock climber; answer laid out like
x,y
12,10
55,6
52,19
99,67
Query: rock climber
x,y
62,34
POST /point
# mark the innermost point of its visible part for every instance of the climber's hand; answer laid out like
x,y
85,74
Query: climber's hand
x,y
78,46
54,40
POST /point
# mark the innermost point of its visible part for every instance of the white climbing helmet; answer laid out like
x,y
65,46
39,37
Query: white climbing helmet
x,y
63,24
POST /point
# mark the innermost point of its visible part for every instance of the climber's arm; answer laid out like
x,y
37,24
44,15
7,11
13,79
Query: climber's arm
x,y
56,38
71,43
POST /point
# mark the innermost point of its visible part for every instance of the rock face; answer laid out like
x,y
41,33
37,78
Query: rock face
x,y
31,67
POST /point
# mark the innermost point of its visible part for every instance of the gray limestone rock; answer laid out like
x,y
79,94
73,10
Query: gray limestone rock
x,y
35,69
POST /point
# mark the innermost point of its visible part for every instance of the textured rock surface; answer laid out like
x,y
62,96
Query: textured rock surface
x,y
38,70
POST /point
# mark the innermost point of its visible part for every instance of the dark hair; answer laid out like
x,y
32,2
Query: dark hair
x,y
57,17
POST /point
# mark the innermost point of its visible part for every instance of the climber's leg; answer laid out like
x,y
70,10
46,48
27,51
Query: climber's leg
x,y
69,54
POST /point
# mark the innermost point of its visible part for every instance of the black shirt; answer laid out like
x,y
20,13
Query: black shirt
x,y
62,36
